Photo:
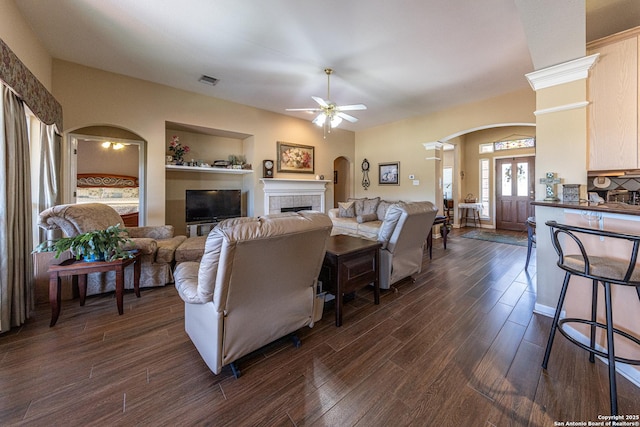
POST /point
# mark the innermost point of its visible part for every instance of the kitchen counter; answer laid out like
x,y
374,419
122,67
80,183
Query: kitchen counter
x,y
612,216
610,207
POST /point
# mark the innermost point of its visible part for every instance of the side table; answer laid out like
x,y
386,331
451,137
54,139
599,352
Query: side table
x,y
444,231
73,267
349,264
475,211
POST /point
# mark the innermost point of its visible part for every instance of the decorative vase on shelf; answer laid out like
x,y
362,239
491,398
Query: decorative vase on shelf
x,y
179,161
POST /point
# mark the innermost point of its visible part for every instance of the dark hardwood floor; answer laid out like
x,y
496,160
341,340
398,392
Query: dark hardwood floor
x,y
458,347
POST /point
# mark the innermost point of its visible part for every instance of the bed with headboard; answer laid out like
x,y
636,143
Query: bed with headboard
x,y
121,192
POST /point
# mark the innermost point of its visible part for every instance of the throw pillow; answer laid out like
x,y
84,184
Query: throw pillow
x,y
366,218
382,209
358,204
370,205
346,210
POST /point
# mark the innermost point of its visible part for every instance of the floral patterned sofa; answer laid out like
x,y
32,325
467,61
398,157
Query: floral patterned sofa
x,y
157,243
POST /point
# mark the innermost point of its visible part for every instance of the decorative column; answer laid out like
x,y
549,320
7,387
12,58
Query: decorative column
x,y
433,170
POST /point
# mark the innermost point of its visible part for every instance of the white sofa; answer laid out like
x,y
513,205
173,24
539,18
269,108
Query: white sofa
x,y
361,217
401,227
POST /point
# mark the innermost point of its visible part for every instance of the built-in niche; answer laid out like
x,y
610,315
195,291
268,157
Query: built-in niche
x,y
206,145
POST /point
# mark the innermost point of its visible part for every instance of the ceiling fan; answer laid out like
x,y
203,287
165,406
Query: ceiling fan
x,y
330,115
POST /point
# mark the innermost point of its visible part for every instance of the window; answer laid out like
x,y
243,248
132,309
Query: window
x,y
514,143
484,187
486,148
447,182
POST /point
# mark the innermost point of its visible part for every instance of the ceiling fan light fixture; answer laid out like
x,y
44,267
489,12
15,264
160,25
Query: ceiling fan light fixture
x,y
330,114
320,119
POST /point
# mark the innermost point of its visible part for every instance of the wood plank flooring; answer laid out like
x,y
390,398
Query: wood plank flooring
x,y
460,346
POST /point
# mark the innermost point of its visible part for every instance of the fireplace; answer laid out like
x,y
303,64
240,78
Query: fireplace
x,y
282,195
296,209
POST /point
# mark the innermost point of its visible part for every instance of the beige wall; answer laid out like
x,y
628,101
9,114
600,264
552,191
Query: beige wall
x,y
15,32
403,141
94,97
97,159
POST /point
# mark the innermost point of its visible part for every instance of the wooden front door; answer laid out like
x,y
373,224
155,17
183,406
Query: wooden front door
x,y
514,192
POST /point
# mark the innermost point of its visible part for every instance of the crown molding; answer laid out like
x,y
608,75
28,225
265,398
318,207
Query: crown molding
x,y
566,72
437,145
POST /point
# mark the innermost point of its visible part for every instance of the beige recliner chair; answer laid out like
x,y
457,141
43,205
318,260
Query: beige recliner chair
x,y
157,243
403,235
255,283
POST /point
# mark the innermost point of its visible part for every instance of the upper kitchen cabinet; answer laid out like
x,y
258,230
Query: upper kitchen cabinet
x,y
613,109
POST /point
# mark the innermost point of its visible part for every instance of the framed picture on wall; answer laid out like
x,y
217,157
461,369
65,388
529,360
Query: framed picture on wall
x,y
295,158
389,173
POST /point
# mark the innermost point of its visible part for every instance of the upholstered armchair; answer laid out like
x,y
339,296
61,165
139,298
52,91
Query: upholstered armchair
x,y
157,243
255,283
403,235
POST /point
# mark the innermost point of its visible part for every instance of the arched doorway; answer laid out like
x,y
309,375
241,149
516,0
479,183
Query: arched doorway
x,y
109,150
341,180
473,169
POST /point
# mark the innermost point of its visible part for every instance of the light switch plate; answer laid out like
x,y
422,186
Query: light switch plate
x,y
416,182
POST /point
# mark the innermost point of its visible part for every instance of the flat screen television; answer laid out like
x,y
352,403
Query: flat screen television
x,y
212,205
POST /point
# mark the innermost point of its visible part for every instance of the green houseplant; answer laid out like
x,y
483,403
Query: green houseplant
x,y
98,245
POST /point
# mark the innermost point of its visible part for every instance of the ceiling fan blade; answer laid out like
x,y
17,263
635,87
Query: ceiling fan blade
x,y
352,107
312,109
346,117
320,101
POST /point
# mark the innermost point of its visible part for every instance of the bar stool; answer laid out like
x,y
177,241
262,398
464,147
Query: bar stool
x,y
531,237
605,270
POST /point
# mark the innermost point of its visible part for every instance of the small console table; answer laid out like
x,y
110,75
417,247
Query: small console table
x,y
475,208
349,264
73,267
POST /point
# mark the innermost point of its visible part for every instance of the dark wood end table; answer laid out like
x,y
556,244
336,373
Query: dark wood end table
x,y
72,267
444,231
349,264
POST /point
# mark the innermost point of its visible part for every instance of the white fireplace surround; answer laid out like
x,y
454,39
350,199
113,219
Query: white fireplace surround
x,y
289,193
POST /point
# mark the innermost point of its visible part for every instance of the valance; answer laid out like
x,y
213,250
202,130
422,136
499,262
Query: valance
x,y
18,77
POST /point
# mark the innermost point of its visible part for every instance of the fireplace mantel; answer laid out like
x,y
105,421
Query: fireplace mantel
x,y
279,193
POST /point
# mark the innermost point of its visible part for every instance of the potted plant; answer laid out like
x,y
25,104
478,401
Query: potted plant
x,y
98,245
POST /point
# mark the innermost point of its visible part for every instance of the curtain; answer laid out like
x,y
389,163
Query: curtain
x,y
47,177
16,267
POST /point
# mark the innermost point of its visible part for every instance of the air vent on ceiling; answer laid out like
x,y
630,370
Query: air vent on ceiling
x,y
209,80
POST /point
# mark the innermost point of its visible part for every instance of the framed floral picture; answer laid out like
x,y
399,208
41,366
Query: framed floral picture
x,y
295,158
389,173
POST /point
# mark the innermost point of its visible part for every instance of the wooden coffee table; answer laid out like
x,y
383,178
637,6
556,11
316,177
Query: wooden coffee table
x,y
71,267
349,264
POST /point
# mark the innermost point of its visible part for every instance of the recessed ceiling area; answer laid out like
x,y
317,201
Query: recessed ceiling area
x,y
401,62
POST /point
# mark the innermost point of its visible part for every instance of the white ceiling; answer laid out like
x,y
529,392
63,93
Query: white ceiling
x,y
400,58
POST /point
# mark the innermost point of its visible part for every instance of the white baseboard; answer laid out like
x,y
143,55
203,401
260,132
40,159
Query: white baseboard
x,y
545,310
624,369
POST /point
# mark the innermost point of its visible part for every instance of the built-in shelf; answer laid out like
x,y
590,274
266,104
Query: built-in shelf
x,y
207,169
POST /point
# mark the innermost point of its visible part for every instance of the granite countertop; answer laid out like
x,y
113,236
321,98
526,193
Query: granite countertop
x,y
611,207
